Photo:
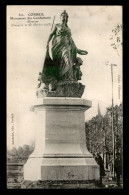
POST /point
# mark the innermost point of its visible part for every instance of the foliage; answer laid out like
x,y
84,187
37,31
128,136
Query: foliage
x,y
99,131
19,155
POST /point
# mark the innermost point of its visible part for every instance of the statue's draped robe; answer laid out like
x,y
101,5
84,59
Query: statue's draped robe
x,y
63,52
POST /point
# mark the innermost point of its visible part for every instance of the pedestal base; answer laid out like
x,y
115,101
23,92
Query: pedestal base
x,y
61,169
65,156
69,169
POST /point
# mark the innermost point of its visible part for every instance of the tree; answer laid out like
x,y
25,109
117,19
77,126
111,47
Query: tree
x,y
99,134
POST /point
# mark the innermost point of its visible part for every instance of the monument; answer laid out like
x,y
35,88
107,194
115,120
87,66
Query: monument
x,y
65,155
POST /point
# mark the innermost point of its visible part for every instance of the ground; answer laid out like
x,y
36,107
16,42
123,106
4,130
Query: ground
x,y
108,183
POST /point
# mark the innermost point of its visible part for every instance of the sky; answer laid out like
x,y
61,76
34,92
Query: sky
x,y
91,28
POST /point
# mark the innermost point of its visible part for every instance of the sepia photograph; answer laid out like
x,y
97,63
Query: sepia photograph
x,y
64,96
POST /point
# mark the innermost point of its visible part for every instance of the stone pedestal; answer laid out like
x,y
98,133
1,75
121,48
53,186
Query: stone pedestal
x,y
60,152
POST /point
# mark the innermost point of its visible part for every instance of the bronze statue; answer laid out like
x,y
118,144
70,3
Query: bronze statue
x,y
63,66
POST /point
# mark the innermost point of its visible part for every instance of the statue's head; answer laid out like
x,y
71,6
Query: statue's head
x,y
79,61
64,16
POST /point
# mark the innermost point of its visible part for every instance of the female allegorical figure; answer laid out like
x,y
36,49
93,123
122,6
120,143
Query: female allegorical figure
x,y
64,52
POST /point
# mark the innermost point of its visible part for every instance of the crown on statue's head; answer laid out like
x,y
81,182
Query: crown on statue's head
x,y
64,12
